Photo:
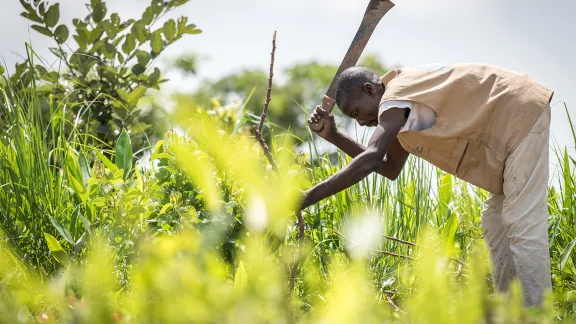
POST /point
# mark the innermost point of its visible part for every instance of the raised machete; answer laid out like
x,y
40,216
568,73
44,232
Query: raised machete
x,y
374,12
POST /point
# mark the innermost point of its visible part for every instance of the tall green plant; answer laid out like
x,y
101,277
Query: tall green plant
x,y
109,69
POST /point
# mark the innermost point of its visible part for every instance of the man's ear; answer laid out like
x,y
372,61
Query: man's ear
x,y
369,89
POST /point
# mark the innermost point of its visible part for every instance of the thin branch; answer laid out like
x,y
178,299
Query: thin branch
x,y
399,240
258,131
391,302
300,241
379,251
265,148
269,91
258,134
393,254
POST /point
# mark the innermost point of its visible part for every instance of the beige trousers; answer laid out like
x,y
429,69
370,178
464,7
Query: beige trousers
x,y
515,224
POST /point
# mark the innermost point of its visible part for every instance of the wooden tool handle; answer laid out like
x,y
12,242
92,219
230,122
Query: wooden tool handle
x,y
328,103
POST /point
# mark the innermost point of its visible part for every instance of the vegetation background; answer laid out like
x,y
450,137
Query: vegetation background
x,y
123,202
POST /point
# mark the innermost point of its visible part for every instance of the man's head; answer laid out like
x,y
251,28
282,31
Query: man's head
x,y
358,95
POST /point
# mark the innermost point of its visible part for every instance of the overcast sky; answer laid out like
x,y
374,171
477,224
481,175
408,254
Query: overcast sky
x,y
535,37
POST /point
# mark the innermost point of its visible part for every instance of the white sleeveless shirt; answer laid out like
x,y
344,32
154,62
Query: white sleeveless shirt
x,y
421,116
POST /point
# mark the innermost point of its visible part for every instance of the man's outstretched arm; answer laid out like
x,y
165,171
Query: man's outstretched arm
x,y
390,166
363,164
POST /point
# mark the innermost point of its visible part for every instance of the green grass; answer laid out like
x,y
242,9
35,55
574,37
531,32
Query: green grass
x,y
203,237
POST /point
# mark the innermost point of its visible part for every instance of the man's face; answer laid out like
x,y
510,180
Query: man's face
x,y
363,106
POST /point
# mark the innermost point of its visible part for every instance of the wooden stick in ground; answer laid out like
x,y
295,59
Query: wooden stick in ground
x,y
258,130
258,134
300,241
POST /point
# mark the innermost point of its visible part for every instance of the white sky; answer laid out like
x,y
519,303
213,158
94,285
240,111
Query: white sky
x,y
535,37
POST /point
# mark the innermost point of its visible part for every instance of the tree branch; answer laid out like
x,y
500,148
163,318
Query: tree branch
x,y
258,131
300,241
269,92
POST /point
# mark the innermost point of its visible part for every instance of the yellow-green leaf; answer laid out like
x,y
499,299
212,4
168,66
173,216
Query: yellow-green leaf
x,y
165,208
99,202
53,244
169,29
106,161
139,29
140,182
156,41
159,145
240,278
129,44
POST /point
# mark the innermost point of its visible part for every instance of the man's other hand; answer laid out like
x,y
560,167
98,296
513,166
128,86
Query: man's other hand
x,y
322,122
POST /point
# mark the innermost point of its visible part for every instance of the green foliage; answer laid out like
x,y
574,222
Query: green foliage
x,y
304,87
204,232
110,69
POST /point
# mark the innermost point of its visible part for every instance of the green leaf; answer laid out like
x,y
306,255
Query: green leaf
x,y
111,166
53,244
86,223
52,15
138,69
99,202
78,188
241,277
99,12
1,70
165,208
32,16
56,249
140,181
40,69
169,29
143,57
129,44
61,34
50,77
61,230
136,95
156,41
139,127
148,15
59,54
191,29
449,229
95,34
109,50
159,147
109,28
154,76
94,3
26,5
124,153
133,192
444,195
74,221
182,24
82,37
85,170
566,254
42,30
139,30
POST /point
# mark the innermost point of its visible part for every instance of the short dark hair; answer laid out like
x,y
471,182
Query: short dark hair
x,y
352,80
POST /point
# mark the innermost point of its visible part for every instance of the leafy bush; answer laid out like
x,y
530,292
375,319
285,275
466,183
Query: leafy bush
x,y
110,68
